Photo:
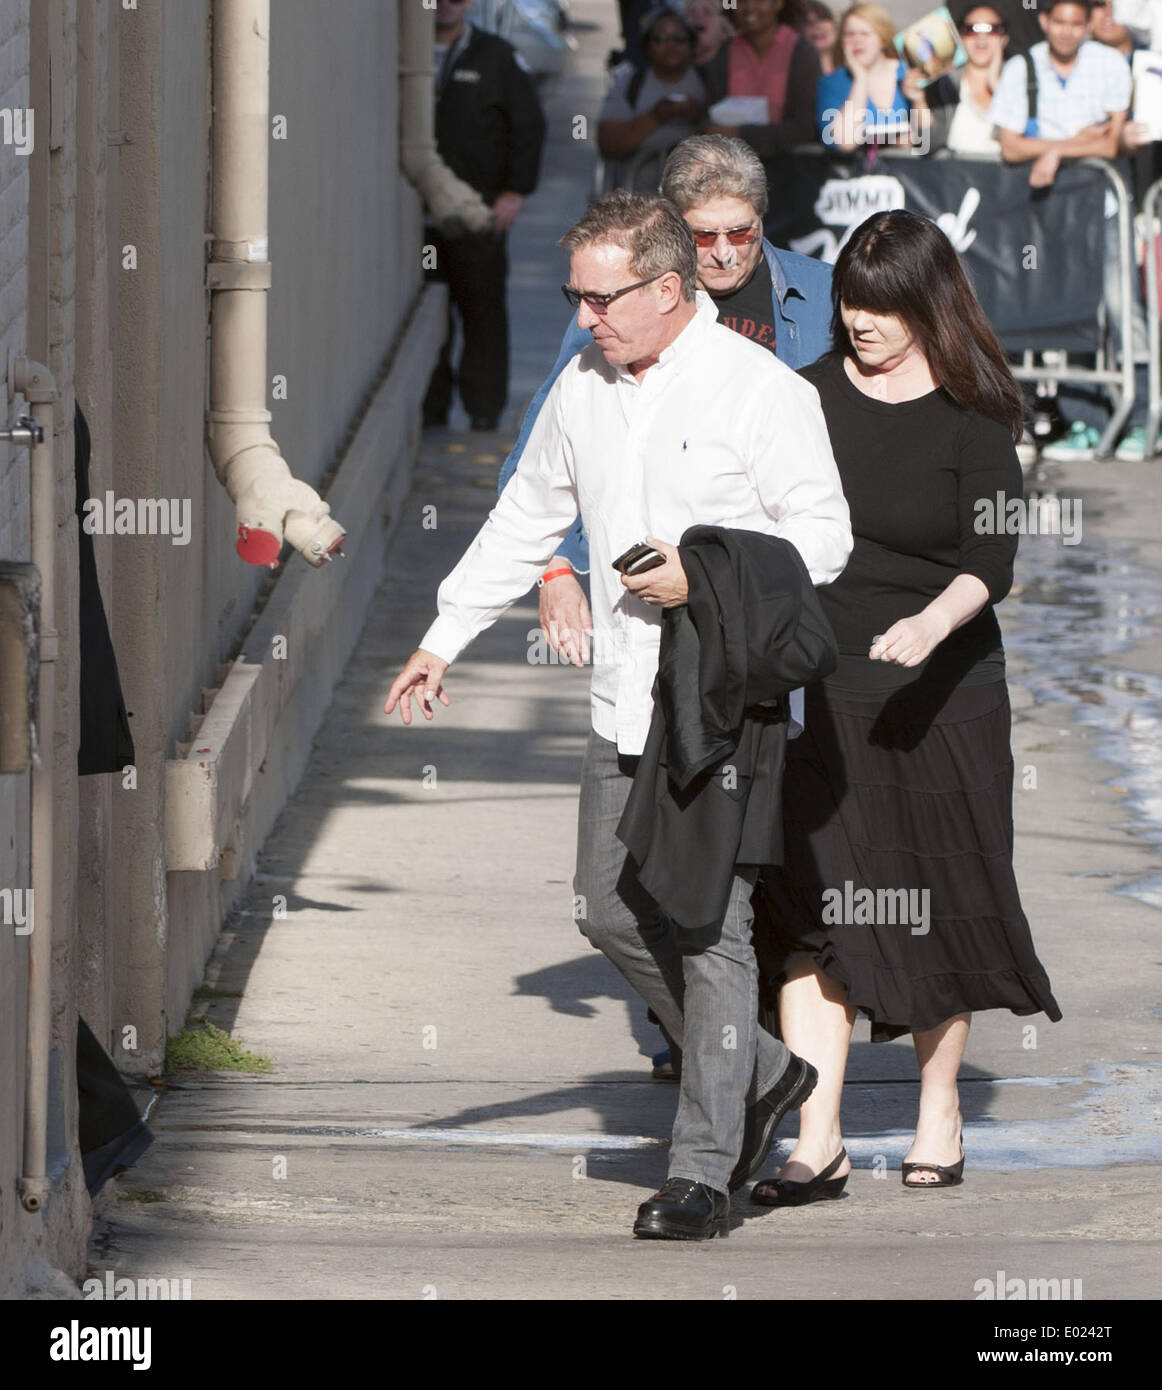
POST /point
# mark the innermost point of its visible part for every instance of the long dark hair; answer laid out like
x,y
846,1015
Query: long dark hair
x,y
902,264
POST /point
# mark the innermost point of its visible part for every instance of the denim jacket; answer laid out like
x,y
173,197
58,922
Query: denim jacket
x,y
802,307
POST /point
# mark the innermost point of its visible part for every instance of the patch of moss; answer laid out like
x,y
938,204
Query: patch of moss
x,y
203,1046
143,1194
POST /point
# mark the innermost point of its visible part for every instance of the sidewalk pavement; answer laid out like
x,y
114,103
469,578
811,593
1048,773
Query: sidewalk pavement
x,y
461,1104
461,1097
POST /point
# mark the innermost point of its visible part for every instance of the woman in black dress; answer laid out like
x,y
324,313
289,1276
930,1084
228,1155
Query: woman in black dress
x,y
897,898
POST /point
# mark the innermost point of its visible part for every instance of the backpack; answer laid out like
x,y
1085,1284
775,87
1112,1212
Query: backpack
x,y
634,89
1030,91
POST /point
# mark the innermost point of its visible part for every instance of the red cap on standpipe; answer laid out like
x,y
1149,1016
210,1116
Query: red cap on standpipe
x,y
258,547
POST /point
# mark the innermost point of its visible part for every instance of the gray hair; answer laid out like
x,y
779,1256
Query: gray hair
x,y
648,227
714,166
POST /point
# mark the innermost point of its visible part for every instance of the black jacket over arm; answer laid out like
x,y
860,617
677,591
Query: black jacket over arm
x,y
707,793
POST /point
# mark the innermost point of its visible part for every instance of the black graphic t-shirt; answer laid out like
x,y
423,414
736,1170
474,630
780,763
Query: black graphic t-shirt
x,y
747,310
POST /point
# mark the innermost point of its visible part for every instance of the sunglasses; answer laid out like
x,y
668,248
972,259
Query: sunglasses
x,y
737,236
969,29
600,302
670,38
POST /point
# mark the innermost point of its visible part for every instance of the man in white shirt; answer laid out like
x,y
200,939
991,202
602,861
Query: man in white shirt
x,y
666,420
1083,94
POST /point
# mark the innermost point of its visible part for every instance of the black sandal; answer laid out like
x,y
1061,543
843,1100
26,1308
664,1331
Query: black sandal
x,y
784,1192
947,1175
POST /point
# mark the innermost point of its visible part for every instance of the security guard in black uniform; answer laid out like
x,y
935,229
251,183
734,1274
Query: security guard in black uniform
x,y
489,131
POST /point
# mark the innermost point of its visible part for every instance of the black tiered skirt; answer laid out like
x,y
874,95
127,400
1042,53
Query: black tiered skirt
x,y
913,794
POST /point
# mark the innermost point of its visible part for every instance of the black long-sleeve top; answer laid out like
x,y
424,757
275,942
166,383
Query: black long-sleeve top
x,y
913,473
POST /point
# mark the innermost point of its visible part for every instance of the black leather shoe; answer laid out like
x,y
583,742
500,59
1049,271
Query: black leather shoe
x,y
682,1210
762,1118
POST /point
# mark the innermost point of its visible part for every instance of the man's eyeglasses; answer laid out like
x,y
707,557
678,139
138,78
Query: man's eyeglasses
x,y
737,236
969,29
600,302
670,38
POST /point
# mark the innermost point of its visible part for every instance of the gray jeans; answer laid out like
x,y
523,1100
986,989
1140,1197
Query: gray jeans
x,y
705,991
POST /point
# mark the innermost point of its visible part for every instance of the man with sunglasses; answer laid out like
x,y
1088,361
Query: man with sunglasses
x,y
776,298
664,421
779,299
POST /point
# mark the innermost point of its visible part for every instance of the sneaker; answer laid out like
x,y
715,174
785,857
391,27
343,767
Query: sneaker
x,y
1027,451
1079,444
1132,448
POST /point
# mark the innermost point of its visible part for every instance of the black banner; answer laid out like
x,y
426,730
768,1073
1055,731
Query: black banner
x,y
1036,258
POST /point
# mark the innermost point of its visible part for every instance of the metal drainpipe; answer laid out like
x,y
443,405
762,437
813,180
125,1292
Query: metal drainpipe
x,y
454,205
35,383
272,505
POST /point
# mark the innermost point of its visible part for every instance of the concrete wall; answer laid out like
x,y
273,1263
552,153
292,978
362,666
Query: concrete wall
x,y
344,238
43,236
344,231
95,316
14,858
123,162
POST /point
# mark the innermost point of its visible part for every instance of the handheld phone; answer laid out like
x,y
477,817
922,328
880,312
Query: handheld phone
x,y
639,558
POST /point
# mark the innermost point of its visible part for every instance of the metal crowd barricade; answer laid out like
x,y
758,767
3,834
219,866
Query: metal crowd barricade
x,y
644,167
1153,242
1119,374
1113,370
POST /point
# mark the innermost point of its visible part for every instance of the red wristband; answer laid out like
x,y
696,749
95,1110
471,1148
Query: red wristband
x,y
552,574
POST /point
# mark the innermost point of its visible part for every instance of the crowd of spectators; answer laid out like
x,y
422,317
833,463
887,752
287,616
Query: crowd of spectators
x,y
1032,87
1035,87
784,73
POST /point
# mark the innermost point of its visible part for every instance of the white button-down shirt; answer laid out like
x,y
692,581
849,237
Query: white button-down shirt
x,y
1098,85
718,432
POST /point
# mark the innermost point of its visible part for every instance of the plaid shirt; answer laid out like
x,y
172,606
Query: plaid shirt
x,y
1098,86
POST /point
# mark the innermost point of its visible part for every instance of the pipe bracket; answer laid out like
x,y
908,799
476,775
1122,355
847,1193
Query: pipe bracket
x,y
238,275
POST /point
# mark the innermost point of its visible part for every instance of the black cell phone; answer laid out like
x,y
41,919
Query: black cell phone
x,y
639,558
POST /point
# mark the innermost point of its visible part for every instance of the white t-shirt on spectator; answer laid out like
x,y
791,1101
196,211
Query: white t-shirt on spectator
x,y
1143,18
1099,85
971,131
